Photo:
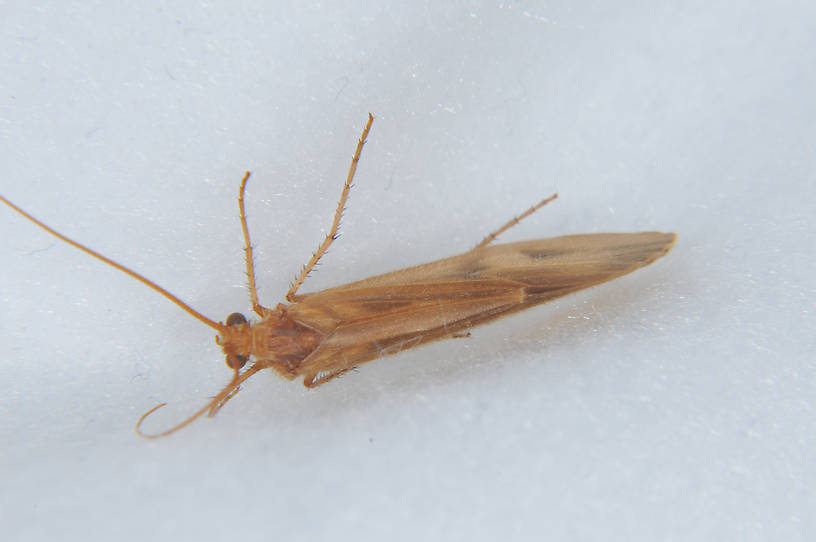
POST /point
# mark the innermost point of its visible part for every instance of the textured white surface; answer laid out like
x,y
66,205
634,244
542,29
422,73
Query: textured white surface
x,y
675,403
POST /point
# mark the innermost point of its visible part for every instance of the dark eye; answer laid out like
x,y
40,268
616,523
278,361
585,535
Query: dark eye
x,y
236,361
235,319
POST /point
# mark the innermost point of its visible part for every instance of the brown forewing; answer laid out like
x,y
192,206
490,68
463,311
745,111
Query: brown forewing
x,y
387,313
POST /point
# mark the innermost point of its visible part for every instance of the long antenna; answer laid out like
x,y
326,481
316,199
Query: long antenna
x,y
211,407
147,282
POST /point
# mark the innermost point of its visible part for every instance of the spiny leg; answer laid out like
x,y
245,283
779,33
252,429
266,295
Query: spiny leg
x,y
341,205
319,378
221,399
489,239
259,309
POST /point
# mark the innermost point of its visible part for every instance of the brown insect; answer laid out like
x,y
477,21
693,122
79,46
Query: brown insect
x,y
321,335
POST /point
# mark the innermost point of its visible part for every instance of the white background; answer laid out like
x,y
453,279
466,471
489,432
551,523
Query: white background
x,y
676,403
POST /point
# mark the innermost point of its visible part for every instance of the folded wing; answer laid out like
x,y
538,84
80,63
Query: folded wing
x,y
387,313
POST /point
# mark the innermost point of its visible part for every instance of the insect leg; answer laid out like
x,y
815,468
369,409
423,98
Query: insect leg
x,y
316,379
259,309
489,239
211,408
341,206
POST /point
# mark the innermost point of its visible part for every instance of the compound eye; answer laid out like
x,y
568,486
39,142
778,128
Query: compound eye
x,y
236,361
235,319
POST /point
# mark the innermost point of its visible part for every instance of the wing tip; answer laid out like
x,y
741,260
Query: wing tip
x,y
664,243
655,245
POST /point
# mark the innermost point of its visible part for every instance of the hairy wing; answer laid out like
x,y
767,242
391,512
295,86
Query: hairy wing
x,y
387,313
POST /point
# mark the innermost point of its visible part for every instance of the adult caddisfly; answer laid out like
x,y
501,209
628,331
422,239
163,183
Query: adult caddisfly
x,y
321,335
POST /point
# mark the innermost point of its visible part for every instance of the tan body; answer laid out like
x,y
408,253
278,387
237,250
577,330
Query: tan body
x,y
321,335
326,333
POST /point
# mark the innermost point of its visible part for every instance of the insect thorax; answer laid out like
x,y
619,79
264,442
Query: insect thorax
x,y
274,338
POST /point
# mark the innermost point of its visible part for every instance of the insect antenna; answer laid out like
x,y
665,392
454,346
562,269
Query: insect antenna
x,y
210,408
144,280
